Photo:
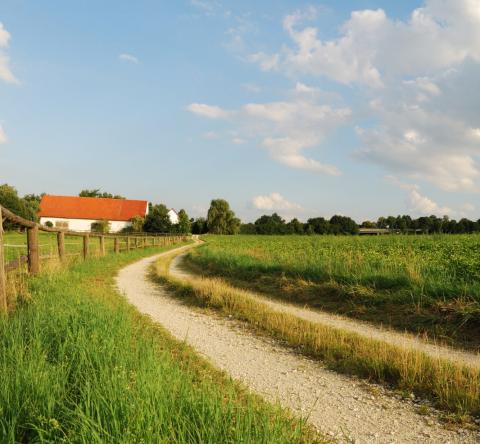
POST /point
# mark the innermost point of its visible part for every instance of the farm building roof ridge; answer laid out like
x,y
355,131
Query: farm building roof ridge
x,y
98,208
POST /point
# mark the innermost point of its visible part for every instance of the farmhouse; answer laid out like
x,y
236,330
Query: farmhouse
x,y
78,213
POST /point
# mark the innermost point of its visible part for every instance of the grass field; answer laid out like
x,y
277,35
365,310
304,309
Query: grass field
x,y
78,364
450,385
428,284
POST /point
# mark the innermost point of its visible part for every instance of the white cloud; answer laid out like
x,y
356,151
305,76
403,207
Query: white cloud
x,y
274,202
420,76
210,135
419,204
128,58
371,46
238,141
266,62
284,128
3,136
6,73
252,87
207,7
211,112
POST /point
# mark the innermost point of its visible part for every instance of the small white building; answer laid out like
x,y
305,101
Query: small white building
x,y
78,213
173,216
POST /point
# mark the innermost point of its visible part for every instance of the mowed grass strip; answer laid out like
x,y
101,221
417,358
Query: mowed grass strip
x,y
452,387
423,284
79,364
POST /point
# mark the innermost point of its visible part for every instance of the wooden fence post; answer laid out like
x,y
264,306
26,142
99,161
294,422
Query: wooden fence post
x,y
61,245
3,291
86,245
116,245
102,245
32,245
128,243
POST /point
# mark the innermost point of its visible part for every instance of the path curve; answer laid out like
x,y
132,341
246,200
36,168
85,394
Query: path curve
x,y
337,405
405,340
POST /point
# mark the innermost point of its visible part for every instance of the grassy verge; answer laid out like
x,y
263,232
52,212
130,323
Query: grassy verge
x,y
78,364
423,284
450,386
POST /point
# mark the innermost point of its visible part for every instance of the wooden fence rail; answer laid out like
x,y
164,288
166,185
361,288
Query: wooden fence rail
x,y
32,258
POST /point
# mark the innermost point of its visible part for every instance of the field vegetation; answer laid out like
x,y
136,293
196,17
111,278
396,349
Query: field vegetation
x,y
450,386
79,364
424,283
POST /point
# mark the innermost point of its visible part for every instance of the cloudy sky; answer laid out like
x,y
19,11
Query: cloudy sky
x,y
308,109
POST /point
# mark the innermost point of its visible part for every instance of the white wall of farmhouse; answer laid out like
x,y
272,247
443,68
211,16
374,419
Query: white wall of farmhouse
x,y
82,224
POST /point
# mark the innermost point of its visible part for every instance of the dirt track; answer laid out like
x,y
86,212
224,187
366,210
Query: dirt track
x,y
337,405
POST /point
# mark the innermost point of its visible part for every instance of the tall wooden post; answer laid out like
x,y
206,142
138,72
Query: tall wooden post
x,y
102,245
86,245
3,291
61,245
32,245
116,245
128,243
144,241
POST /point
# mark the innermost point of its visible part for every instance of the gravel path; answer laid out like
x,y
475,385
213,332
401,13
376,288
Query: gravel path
x,y
370,331
337,405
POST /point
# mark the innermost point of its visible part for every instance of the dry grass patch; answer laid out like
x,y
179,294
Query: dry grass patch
x,y
450,386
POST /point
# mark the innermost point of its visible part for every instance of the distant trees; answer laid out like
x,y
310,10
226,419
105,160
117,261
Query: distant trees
x,y
199,225
157,220
221,219
184,226
101,226
26,207
136,224
97,193
274,224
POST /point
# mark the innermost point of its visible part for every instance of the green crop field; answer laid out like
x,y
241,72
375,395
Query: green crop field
x,y
425,284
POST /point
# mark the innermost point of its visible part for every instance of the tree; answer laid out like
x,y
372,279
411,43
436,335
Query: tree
x,y
199,225
157,220
273,224
343,225
26,208
137,223
97,193
184,226
295,227
221,219
101,226
318,225
368,224
248,229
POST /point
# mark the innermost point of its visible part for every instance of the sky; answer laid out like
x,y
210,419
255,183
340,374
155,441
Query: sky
x,y
362,108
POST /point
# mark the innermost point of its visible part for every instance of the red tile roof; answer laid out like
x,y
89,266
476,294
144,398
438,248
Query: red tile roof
x,y
91,208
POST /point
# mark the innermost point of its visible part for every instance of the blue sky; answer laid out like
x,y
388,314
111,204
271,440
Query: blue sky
x,y
363,108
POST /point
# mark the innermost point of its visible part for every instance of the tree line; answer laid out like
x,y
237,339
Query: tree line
x,y
222,220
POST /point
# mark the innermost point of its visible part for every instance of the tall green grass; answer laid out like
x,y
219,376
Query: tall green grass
x,y
420,283
78,364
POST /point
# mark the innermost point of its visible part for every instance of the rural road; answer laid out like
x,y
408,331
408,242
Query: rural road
x,y
340,406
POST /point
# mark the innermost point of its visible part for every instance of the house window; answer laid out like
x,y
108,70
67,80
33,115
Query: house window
x,y
61,224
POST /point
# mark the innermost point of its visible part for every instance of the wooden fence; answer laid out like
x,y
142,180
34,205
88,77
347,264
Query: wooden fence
x,y
131,241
